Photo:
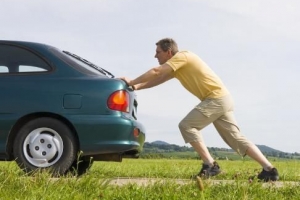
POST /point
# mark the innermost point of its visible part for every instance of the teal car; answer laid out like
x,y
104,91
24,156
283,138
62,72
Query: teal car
x,y
60,112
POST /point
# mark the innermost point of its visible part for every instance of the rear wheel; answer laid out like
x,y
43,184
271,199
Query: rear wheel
x,y
45,143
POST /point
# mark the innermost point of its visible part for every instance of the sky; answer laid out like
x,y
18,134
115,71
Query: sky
x,y
252,45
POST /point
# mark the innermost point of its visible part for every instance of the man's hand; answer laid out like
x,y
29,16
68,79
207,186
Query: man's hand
x,y
127,80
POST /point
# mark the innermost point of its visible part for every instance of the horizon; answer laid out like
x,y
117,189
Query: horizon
x,y
157,141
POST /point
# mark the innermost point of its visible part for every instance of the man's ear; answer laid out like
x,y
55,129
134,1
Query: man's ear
x,y
170,53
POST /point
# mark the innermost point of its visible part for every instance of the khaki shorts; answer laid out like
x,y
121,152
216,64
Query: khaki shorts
x,y
220,113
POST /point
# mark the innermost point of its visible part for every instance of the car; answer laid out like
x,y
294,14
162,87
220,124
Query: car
x,y
60,112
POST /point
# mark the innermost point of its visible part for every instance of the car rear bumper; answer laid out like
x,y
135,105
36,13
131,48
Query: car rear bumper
x,y
109,134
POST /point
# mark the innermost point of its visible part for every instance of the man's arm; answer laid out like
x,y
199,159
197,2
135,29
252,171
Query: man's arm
x,y
153,83
153,77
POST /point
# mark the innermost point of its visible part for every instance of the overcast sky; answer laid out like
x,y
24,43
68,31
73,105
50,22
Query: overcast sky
x,y
252,45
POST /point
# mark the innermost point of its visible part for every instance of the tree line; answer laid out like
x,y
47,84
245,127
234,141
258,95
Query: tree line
x,y
159,150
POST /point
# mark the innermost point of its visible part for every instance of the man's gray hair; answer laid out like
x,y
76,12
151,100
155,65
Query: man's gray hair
x,y
168,44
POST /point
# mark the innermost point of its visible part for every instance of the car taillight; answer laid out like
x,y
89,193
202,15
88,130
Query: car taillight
x,y
119,100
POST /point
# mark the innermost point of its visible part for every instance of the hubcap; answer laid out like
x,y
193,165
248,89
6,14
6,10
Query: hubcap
x,y
43,147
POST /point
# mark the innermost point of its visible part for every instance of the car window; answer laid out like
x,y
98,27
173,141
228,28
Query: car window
x,y
3,69
80,64
25,68
75,63
15,59
85,66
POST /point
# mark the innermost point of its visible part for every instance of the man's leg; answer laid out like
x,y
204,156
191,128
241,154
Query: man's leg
x,y
203,152
254,153
228,129
190,128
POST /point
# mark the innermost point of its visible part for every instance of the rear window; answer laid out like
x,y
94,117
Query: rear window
x,y
85,66
77,64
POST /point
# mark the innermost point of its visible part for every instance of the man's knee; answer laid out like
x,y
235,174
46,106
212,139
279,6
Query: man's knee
x,y
182,125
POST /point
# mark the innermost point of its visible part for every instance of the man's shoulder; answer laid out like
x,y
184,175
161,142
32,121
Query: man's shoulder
x,y
184,56
189,55
186,53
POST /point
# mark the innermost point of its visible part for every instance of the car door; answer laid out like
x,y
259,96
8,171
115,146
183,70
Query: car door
x,y
19,66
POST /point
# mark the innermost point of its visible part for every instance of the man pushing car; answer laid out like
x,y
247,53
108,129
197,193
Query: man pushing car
x,y
216,106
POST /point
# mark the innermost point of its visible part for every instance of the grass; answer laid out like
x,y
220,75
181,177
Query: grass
x,y
14,184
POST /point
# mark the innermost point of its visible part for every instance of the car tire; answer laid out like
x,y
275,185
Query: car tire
x,y
81,166
45,143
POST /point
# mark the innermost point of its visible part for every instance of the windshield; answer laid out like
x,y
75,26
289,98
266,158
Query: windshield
x,y
86,64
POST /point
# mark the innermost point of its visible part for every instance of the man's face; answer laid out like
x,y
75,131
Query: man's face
x,y
162,56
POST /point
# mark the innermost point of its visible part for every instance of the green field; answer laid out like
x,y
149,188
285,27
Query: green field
x,y
94,185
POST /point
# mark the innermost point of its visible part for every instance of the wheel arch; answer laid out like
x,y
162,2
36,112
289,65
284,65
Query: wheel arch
x,y
23,120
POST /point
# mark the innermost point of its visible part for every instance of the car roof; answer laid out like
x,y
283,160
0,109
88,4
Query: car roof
x,y
25,43
50,51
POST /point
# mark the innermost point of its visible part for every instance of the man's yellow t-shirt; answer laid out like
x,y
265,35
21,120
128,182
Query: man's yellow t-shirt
x,y
196,76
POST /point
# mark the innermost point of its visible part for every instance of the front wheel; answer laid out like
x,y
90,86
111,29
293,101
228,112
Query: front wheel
x,y
45,143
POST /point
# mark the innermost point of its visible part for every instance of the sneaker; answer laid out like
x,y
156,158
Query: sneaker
x,y
271,175
208,171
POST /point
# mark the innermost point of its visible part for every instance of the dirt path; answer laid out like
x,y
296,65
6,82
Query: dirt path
x,y
147,181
